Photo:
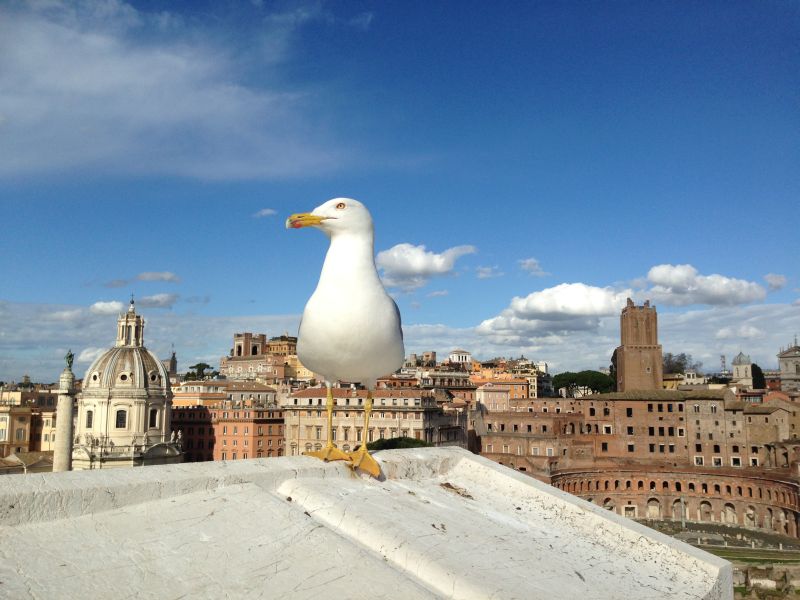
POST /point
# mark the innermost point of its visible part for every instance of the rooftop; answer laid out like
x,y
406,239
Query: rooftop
x,y
442,524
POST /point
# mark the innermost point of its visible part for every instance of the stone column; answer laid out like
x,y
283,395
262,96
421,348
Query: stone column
x,y
62,453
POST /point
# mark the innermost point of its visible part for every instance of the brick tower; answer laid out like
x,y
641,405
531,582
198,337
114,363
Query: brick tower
x,y
638,359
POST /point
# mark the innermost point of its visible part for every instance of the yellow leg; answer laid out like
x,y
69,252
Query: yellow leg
x,y
361,459
329,452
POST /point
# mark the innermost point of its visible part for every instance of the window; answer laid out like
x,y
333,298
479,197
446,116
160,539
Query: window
x,y
652,448
716,448
649,408
122,419
698,461
628,412
696,408
736,461
630,430
153,417
604,446
89,419
698,447
607,429
717,460
631,448
661,431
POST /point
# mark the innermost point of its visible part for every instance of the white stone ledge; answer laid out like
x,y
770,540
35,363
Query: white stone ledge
x,y
443,524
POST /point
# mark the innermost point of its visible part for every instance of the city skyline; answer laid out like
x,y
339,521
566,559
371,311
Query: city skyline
x,y
527,168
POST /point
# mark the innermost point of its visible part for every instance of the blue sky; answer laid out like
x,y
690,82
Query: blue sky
x,y
528,167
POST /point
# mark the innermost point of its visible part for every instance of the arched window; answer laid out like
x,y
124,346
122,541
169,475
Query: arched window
x,y
89,419
122,419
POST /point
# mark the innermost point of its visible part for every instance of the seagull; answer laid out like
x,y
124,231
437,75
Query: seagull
x,y
350,330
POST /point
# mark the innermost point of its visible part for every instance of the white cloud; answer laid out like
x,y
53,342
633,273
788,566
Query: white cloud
x,y
532,266
158,276
564,308
89,355
207,338
438,294
196,337
158,301
682,285
775,281
102,85
265,212
66,315
107,308
488,272
746,332
116,283
409,267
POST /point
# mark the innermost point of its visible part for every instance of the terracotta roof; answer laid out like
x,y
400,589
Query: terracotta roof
x,y
663,395
321,392
249,385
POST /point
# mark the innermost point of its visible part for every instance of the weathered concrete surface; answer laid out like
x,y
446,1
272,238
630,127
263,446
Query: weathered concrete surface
x,y
444,524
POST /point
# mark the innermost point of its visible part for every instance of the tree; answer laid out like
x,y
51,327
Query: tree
x,y
199,372
759,381
593,381
680,363
399,442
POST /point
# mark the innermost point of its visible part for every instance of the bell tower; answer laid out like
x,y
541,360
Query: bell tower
x,y
638,360
130,328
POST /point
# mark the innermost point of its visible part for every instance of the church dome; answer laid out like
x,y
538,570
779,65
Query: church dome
x,y
128,365
741,359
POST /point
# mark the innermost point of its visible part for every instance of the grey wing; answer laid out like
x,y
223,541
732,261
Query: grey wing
x,y
399,319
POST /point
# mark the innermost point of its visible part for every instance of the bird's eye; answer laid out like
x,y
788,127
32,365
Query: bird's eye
x,y
341,206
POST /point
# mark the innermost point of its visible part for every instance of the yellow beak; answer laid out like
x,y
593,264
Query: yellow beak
x,y
299,220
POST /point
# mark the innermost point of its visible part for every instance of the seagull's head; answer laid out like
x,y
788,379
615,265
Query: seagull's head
x,y
340,215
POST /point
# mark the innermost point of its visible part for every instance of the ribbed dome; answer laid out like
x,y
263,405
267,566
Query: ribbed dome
x,y
741,359
127,367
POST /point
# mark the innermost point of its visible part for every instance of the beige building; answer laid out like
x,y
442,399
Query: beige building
x,y
396,413
123,416
789,366
15,429
199,393
295,370
493,397
250,359
742,370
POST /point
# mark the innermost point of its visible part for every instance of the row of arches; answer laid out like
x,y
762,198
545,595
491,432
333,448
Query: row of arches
x,y
716,488
707,511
